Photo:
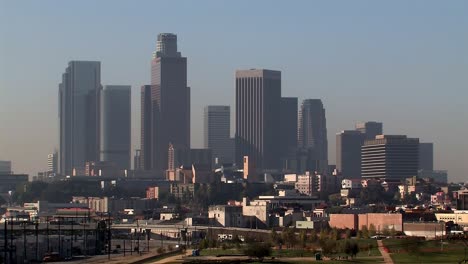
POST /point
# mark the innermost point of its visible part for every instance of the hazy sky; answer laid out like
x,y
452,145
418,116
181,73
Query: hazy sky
x,y
404,63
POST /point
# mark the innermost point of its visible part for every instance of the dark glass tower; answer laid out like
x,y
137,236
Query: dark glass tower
x,y
312,132
348,153
146,159
79,116
116,125
258,102
170,102
370,129
217,123
288,126
426,156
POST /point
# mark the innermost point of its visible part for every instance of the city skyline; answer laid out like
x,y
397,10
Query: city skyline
x,y
415,86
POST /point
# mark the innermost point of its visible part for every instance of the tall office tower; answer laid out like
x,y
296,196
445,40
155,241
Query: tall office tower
x,y
426,156
146,123
312,132
258,102
217,123
348,153
288,126
116,125
390,157
170,103
79,116
52,163
5,166
370,129
137,165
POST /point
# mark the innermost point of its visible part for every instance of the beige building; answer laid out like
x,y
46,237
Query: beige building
x,y
459,217
258,209
226,215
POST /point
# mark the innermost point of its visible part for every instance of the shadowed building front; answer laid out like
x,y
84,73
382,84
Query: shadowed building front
x,y
79,116
390,157
258,102
165,105
116,125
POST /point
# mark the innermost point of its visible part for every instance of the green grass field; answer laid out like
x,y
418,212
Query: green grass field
x,y
403,251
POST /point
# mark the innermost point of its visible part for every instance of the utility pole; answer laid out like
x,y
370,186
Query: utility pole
x,y
59,238
109,236
36,229
5,238
24,241
47,231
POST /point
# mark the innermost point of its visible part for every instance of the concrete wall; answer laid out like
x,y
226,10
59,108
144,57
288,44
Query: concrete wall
x,y
427,230
381,221
344,221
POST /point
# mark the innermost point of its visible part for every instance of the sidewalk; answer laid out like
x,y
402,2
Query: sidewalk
x,y
385,254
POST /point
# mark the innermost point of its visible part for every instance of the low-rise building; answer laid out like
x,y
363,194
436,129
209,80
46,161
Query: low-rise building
x,y
459,217
226,215
380,221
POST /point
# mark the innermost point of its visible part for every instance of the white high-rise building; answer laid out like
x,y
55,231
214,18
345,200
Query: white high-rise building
x,y
52,163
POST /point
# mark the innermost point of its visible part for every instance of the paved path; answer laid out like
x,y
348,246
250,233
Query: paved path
x,y
385,255
171,259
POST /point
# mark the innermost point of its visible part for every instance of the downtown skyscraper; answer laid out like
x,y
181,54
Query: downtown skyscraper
x,y
390,157
217,130
258,102
116,125
165,105
79,116
370,129
312,133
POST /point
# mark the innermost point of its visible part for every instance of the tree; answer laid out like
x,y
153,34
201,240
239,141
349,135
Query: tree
x,y
334,234
303,238
348,233
274,237
258,250
313,236
350,248
328,246
392,232
323,234
289,237
364,231
372,230
386,231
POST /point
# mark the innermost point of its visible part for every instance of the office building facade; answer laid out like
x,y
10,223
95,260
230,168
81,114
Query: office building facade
x,y
165,104
390,157
52,163
258,101
288,126
426,156
5,166
312,132
79,116
116,125
348,153
370,129
217,130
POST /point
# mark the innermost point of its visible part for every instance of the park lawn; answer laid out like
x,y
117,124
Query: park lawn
x,y
292,253
366,242
355,261
219,251
427,252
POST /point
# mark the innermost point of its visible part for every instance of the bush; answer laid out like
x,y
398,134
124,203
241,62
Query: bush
x,y
160,250
258,250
